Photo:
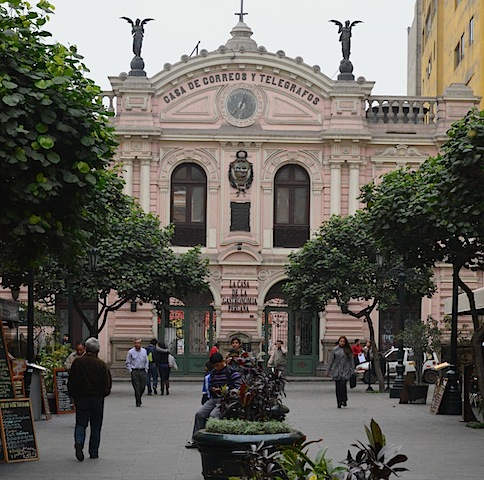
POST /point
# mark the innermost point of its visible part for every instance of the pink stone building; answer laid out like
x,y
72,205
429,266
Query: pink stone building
x,y
247,152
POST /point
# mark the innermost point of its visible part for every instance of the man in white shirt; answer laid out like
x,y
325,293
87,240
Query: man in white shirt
x,y
137,364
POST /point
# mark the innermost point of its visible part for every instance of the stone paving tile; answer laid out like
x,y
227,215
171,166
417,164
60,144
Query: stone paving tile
x,y
147,443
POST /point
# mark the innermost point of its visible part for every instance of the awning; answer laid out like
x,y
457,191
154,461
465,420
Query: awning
x,y
464,303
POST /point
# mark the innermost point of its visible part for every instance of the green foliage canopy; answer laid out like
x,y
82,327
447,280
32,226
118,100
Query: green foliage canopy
x,y
436,212
340,263
136,261
55,138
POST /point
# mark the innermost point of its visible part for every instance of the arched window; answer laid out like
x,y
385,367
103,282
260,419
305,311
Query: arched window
x,y
291,207
189,205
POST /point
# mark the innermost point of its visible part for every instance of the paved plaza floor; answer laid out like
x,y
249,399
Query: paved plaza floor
x,y
147,443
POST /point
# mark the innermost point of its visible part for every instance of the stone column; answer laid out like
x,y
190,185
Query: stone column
x,y
128,176
335,207
354,188
144,187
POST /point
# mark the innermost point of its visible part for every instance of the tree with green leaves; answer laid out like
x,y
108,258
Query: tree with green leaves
x,y
435,214
55,139
135,261
340,264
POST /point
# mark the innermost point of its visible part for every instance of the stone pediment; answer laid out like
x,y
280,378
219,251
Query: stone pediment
x,y
283,110
196,107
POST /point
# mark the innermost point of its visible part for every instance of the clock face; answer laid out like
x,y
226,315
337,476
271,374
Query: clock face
x,y
241,104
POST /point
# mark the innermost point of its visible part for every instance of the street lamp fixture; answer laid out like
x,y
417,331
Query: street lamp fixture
x,y
15,291
93,258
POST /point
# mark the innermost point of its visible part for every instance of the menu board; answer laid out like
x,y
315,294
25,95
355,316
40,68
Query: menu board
x,y
438,394
6,387
17,427
63,401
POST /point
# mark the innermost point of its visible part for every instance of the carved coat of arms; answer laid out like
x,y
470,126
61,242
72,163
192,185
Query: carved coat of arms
x,y
241,172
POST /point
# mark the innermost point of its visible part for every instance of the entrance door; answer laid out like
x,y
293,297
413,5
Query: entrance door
x,y
299,332
188,333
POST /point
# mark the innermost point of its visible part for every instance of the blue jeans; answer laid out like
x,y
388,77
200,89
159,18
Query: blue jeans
x,y
89,410
152,376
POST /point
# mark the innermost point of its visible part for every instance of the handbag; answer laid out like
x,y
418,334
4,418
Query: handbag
x,y
353,380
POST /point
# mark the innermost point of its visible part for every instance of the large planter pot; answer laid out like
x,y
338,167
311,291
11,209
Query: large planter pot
x,y
415,394
216,449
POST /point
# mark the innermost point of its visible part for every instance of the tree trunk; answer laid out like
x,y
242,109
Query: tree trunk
x,y
375,359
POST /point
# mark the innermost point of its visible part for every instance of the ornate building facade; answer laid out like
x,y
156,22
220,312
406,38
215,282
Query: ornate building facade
x,y
247,152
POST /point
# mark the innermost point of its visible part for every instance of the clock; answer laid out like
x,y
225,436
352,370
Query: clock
x,y
241,105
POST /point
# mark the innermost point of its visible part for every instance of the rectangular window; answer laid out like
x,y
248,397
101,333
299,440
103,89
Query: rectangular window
x,y
198,205
180,204
471,31
282,205
459,51
429,67
300,205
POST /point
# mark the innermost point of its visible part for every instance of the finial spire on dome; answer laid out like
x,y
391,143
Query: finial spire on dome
x,y
241,14
241,34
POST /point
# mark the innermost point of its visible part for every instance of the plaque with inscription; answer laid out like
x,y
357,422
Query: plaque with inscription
x,y
240,216
62,400
17,428
6,386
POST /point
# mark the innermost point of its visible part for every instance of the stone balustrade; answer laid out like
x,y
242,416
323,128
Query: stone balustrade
x,y
402,110
108,98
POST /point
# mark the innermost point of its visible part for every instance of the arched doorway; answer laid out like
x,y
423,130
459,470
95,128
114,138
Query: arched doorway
x,y
297,329
188,331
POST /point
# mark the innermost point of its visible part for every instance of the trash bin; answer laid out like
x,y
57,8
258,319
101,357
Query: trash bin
x,y
33,388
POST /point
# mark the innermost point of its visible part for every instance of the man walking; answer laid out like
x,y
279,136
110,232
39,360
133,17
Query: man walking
x,y
137,364
278,359
89,383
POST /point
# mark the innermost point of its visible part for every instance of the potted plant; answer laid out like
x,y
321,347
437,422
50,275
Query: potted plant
x,y
52,357
424,338
375,461
252,414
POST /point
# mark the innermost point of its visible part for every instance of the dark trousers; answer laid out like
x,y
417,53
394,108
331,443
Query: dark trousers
x,y
341,391
138,379
164,377
89,410
152,377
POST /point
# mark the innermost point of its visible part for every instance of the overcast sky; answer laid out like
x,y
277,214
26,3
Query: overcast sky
x,y
298,27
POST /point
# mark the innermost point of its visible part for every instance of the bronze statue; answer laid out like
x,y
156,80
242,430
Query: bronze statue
x,y
137,31
345,36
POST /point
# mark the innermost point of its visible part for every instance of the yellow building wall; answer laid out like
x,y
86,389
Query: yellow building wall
x,y
443,24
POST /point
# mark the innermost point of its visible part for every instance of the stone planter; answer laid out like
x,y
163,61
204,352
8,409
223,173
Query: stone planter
x,y
216,449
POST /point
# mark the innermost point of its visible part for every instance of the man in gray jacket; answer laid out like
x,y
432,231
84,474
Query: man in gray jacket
x,y
89,383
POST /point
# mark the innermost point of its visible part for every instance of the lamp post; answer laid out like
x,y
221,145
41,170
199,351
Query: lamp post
x,y
397,387
30,316
451,403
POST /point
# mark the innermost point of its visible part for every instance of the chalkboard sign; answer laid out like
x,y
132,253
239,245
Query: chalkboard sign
x,y
6,386
62,400
17,427
19,387
438,394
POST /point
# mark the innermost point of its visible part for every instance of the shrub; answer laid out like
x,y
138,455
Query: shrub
x,y
245,427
